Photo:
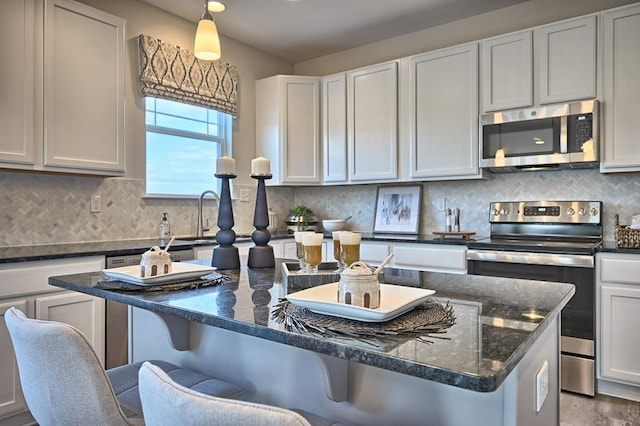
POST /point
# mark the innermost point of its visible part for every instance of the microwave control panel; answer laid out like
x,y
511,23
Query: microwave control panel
x,y
580,130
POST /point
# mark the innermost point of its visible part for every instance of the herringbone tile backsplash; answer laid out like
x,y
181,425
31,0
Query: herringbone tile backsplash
x,y
43,209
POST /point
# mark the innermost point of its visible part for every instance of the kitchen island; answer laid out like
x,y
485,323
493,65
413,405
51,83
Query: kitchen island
x,y
482,371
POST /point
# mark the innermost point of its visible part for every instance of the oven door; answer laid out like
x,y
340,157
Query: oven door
x,y
577,317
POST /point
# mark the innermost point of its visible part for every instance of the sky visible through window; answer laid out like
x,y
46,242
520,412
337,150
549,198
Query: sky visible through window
x,y
183,143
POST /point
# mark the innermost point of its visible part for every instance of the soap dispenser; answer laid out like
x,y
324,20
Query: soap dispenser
x,y
165,227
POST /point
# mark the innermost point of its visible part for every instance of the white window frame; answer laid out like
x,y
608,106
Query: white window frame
x,y
225,141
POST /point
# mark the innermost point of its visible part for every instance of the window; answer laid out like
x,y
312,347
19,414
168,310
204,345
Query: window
x,y
183,143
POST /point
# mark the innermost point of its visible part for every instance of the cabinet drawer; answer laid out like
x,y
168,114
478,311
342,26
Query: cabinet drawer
x,y
622,270
33,277
373,253
432,257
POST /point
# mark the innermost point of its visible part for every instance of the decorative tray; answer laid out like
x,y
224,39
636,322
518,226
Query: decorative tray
x,y
293,277
395,300
181,271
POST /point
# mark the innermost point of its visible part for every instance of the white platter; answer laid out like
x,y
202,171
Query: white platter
x,y
395,300
180,272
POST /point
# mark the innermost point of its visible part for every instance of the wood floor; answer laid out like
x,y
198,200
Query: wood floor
x,y
576,410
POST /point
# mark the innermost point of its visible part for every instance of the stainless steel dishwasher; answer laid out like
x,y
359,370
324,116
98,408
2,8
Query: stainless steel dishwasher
x,y
117,317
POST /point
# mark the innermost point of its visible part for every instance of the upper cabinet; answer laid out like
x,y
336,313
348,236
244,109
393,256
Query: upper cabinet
x,y
68,61
621,89
288,128
360,125
84,64
443,91
507,72
565,55
539,66
334,128
18,82
372,123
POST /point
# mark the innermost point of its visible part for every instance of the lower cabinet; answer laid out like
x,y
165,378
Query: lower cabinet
x,y
618,288
11,399
431,257
449,258
25,286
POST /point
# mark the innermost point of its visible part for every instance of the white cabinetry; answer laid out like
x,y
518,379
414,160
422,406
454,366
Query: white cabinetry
x,y
548,64
334,128
418,256
288,128
621,89
11,398
18,82
66,59
618,287
565,55
25,286
372,123
431,257
444,114
507,71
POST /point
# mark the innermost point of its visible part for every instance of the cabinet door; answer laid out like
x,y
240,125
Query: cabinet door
x,y
621,51
566,60
334,128
372,121
83,88
444,113
300,149
17,85
620,345
507,72
86,313
11,398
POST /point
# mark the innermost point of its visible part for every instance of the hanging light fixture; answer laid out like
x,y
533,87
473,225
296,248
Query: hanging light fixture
x,y
207,43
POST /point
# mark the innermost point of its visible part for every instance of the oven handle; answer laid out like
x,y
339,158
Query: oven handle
x,y
575,260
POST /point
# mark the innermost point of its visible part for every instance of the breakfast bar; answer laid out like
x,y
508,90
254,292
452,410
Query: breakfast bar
x,y
498,364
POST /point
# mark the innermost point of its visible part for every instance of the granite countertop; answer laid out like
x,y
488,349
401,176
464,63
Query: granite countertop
x,y
497,320
136,246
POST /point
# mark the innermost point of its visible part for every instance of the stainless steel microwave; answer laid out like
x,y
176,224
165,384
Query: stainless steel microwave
x,y
547,137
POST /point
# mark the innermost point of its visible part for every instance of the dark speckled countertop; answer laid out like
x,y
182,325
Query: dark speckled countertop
x,y
136,246
493,329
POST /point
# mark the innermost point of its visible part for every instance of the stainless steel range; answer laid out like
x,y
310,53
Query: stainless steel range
x,y
550,241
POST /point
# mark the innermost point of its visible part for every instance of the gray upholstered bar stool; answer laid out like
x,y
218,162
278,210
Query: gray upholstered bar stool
x,y
64,383
165,402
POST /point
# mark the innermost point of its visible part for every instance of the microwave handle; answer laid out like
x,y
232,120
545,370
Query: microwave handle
x,y
563,134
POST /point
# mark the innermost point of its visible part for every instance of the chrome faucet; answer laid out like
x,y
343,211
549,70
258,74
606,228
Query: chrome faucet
x,y
200,231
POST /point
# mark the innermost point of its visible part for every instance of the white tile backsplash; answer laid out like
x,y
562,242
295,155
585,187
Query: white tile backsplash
x,y
42,208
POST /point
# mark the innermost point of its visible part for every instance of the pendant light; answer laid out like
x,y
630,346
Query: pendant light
x,y
207,43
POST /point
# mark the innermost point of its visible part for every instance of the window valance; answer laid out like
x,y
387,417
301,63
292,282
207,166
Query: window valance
x,y
169,72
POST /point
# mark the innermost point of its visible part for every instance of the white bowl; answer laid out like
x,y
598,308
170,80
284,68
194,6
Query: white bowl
x,y
331,225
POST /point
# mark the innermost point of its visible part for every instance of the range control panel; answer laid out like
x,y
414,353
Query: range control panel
x,y
546,211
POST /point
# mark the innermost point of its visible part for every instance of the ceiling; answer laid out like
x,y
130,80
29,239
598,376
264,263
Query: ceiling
x,y
304,29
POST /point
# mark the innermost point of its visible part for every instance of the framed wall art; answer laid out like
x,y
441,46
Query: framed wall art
x,y
398,209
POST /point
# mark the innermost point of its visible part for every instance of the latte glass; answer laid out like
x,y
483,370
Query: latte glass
x,y
297,235
350,247
337,249
312,250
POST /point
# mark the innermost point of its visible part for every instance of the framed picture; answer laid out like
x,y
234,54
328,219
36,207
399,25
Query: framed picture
x,y
398,209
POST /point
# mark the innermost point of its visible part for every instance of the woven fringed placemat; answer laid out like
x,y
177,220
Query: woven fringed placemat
x,y
212,279
425,320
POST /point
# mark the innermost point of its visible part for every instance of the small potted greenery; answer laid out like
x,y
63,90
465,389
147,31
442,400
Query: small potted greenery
x,y
301,216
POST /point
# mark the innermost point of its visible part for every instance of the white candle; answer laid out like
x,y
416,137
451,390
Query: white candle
x,y
260,166
225,166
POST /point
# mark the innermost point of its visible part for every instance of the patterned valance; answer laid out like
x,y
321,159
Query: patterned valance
x,y
169,72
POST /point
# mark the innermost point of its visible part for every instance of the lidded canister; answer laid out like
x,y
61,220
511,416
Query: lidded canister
x,y
359,286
